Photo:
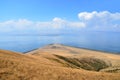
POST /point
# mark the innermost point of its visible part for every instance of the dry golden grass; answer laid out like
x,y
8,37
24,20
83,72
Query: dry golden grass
x,y
41,65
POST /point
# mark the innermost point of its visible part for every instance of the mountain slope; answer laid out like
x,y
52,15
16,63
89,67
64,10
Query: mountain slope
x,y
46,64
81,58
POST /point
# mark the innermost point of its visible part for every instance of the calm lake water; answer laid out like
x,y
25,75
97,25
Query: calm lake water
x,y
109,42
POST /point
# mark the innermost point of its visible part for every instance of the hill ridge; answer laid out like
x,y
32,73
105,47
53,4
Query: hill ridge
x,y
59,62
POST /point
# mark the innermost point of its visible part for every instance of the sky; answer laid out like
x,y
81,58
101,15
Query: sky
x,y
58,16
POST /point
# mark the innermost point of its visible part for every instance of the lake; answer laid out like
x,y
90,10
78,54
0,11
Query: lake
x,y
103,41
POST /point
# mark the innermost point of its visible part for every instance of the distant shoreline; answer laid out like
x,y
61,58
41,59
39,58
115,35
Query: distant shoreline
x,y
118,53
94,50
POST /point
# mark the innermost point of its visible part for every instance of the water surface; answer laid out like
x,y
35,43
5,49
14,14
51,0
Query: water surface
x,y
103,41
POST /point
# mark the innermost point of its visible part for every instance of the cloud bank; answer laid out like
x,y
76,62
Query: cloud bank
x,y
24,26
101,21
95,21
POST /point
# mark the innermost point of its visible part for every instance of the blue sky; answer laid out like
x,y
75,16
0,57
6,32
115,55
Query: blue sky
x,y
48,9
24,15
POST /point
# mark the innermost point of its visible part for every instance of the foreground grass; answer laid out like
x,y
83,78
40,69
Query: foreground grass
x,y
14,66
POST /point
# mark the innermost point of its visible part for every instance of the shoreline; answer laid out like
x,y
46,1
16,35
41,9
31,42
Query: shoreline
x,y
96,50
117,53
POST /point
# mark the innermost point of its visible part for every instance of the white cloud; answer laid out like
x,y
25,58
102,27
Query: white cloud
x,y
26,26
101,20
98,21
77,24
56,19
100,15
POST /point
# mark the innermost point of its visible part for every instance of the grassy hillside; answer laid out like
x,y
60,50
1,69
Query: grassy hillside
x,y
57,62
85,63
